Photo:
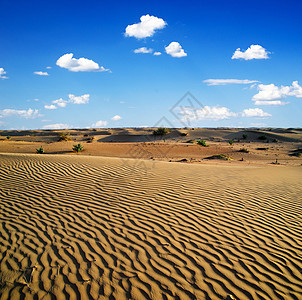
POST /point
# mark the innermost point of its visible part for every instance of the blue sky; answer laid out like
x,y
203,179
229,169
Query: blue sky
x,y
68,64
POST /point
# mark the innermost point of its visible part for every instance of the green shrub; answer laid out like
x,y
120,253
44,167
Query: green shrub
x,y
77,148
262,137
244,136
244,150
90,139
8,137
40,150
231,142
190,141
220,156
183,134
64,136
275,141
161,131
202,143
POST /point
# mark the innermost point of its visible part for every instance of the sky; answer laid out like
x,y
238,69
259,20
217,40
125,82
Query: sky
x,y
94,64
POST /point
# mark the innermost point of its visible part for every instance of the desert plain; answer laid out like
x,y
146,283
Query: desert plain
x,y
142,216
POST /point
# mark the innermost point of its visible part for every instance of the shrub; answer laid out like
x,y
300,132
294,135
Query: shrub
x,y
8,137
90,139
161,131
40,150
244,136
262,137
231,142
275,141
77,148
220,156
64,136
202,143
244,150
183,134
190,141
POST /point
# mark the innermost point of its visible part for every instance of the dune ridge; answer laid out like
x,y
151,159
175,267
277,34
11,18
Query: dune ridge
x,y
106,228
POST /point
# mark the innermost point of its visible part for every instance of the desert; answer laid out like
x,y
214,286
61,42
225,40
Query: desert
x,y
138,216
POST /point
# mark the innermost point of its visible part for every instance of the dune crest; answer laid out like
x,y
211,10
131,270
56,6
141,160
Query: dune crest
x,y
108,228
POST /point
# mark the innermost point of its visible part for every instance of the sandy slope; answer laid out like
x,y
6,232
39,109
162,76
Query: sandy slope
x,y
109,228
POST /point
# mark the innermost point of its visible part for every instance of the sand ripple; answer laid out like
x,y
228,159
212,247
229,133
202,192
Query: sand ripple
x,y
96,228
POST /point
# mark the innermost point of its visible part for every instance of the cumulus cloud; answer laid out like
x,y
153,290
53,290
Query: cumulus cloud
x,y
79,65
100,123
253,52
255,112
41,73
2,74
157,53
84,99
26,114
271,92
56,126
174,49
60,102
51,107
143,50
270,102
206,113
116,118
228,81
146,27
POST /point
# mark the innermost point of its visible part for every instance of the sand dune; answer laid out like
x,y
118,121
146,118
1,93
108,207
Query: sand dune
x,y
110,228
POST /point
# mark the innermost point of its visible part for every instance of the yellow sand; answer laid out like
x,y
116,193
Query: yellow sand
x,y
110,228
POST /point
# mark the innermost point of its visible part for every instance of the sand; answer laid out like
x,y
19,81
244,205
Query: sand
x,y
112,228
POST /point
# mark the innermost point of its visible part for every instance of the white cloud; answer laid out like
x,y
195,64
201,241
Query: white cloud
x,y
27,114
56,126
2,74
84,99
157,53
78,65
174,49
253,52
206,113
270,102
51,107
143,50
41,73
270,92
255,112
60,102
48,67
100,123
228,81
146,27
116,118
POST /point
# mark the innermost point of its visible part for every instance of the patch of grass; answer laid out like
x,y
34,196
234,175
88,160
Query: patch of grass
x,y
40,150
262,137
297,154
77,148
64,136
243,150
161,131
231,142
219,156
244,136
202,143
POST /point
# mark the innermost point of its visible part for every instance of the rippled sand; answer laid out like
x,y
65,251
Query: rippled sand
x,y
109,228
